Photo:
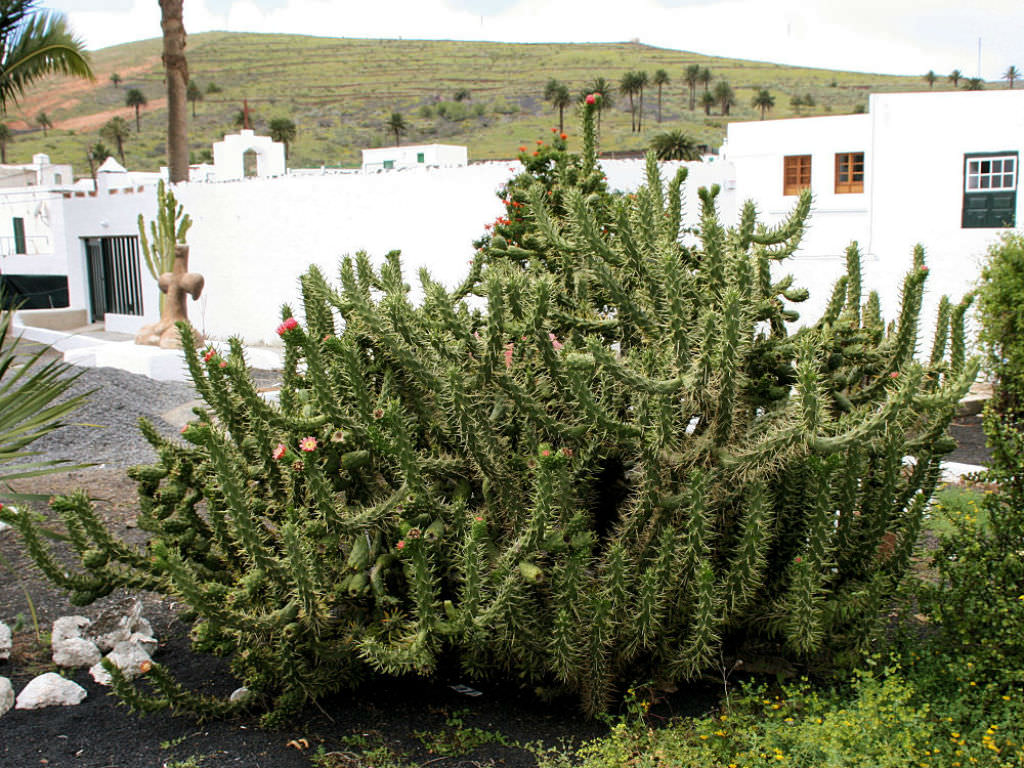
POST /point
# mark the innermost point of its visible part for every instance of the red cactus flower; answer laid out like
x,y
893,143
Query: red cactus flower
x,y
539,142
554,130
798,559
287,325
545,453
522,147
209,354
400,544
183,430
223,364
564,136
590,99
894,375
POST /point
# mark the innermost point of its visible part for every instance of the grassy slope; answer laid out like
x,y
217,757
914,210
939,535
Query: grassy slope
x,y
340,92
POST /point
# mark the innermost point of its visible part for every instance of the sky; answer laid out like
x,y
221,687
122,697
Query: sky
x,y
904,37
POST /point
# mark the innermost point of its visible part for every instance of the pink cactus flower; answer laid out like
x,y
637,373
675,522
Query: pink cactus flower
x,y
509,349
307,444
555,342
287,325
279,452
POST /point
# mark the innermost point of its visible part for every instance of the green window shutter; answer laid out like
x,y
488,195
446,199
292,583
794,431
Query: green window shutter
x,y
990,190
19,236
388,164
420,157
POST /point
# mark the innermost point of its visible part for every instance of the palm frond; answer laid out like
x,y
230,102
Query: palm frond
x,y
36,45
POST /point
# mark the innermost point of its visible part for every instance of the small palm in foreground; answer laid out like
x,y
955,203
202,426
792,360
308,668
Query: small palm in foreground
x,y
32,403
1012,74
675,145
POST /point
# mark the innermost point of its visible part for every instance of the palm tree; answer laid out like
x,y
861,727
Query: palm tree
x,y
117,132
692,76
764,101
194,94
704,78
558,94
641,83
213,88
628,87
707,100
974,84
5,137
96,155
675,145
660,79
34,44
724,96
930,77
282,129
1011,74
176,75
32,400
955,76
115,78
137,99
396,125
796,102
44,122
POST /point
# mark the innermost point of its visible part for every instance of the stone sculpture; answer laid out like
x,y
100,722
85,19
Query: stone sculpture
x,y
177,284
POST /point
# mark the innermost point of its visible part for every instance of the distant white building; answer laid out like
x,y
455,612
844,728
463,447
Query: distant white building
x,y
39,173
245,155
415,156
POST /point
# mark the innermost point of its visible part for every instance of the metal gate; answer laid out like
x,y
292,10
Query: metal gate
x,y
115,285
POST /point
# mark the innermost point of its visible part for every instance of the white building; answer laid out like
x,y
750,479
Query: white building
x,y
245,155
940,169
415,156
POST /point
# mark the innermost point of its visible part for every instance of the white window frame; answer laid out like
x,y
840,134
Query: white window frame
x,y
982,177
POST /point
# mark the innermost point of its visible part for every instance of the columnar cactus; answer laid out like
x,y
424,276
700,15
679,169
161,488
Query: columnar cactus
x,y
625,466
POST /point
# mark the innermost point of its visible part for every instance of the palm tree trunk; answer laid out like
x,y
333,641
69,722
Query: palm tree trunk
x,y
632,113
177,87
561,122
659,103
137,128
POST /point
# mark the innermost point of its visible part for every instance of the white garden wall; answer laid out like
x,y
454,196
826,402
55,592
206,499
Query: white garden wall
x,y
252,239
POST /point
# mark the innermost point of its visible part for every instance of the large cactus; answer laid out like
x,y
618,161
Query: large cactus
x,y
624,467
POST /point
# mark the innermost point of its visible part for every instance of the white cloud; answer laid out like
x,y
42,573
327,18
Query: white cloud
x,y
893,36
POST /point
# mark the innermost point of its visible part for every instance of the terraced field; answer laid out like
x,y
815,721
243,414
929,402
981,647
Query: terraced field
x,y
340,93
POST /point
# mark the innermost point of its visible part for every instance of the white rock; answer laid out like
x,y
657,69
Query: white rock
x,y
5,641
143,627
114,625
68,627
240,694
130,658
6,696
75,652
147,641
50,690
4,527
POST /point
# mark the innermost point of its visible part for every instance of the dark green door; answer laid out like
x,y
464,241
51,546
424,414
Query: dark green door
x,y
990,190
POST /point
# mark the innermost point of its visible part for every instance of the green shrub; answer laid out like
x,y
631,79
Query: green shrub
x,y
979,601
877,720
626,466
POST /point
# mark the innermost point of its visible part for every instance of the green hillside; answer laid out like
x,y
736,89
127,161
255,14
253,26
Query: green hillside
x,y
340,93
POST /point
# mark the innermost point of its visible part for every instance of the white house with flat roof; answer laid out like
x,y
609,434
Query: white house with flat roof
x,y
939,169
415,156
